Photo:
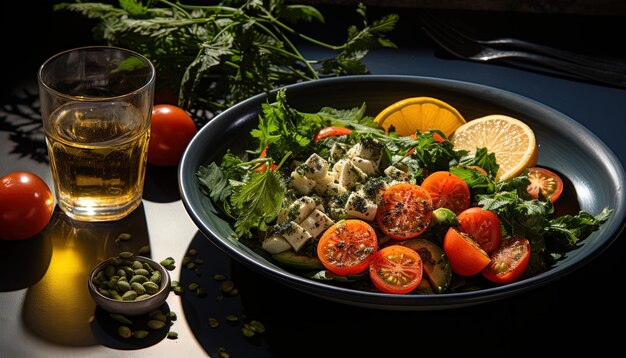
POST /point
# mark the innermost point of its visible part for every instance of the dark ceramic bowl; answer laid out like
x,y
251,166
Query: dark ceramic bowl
x,y
596,176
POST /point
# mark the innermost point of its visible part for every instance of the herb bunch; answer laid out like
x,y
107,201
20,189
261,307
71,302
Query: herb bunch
x,y
214,56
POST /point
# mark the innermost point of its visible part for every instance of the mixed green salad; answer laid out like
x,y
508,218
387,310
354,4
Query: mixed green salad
x,y
333,197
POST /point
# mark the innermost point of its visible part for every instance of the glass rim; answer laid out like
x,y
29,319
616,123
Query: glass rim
x,y
148,83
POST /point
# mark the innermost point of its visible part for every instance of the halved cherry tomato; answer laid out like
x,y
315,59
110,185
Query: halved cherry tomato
x,y
465,255
509,262
396,269
549,182
447,191
347,247
26,205
405,211
332,131
483,226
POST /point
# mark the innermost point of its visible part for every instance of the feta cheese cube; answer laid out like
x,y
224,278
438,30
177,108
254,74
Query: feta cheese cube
x,y
301,183
316,223
275,244
296,236
322,184
366,165
315,167
360,208
396,173
337,151
297,211
350,175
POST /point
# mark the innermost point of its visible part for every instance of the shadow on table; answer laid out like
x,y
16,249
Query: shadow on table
x,y
57,306
302,325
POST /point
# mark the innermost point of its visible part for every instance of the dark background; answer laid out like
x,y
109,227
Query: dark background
x,y
31,31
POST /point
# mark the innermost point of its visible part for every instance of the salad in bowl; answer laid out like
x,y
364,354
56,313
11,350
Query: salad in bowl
x,y
415,200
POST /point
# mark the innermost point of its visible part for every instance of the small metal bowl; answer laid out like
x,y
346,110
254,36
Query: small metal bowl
x,y
134,307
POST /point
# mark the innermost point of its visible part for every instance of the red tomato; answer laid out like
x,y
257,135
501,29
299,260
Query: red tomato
x,y
332,131
547,181
509,262
171,130
465,255
396,269
483,226
26,205
405,211
346,248
447,191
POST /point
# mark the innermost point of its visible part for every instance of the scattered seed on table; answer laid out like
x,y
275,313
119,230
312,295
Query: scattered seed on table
x,y
178,290
144,250
257,326
172,335
156,324
227,286
120,318
219,277
223,353
193,286
186,260
232,318
140,333
172,316
192,252
234,292
124,331
213,322
201,292
124,236
198,272
247,332
191,266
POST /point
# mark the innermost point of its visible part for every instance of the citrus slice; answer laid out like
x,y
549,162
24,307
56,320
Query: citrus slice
x,y
420,113
511,140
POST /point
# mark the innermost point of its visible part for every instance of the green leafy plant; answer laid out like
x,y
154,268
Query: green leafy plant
x,y
213,56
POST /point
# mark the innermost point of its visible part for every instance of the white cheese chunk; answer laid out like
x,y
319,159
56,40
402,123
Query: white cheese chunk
x,y
395,173
350,175
301,183
296,236
359,207
315,167
366,165
297,211
335,189
367,149
275,244
322,184
316,223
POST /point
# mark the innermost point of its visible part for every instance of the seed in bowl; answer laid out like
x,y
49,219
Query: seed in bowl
x,y
127,279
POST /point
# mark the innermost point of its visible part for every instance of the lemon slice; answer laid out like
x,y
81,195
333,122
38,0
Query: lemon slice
x,y
420,113
512,141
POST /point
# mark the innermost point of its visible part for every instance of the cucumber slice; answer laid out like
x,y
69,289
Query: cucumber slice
x,y
436,264
292,259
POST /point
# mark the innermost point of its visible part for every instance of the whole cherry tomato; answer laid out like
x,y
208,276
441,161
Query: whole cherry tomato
x,y
26,205
171,130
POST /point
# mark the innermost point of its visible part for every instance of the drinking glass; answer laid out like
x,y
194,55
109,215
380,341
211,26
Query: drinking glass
x,y
96,104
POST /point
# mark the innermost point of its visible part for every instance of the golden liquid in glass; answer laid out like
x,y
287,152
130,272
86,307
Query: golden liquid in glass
x,y
98,155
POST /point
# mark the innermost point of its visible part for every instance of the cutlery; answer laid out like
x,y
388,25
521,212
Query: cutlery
x,y
462,46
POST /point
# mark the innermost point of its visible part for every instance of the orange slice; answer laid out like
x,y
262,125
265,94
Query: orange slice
x,y
420,113
512,141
